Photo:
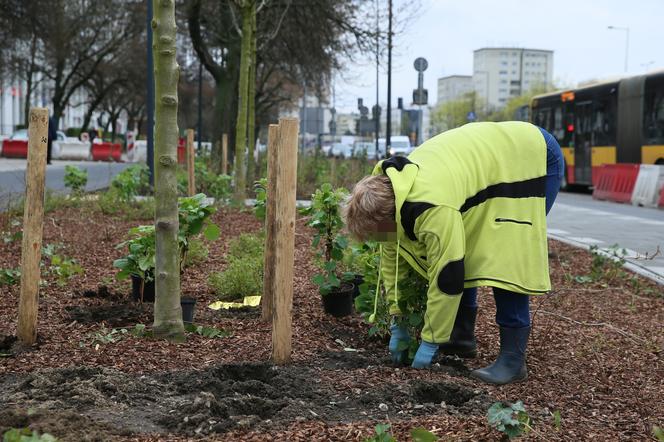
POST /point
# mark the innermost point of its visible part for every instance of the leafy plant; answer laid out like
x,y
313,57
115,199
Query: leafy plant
x,y
194,213
210,183
325,218
261,198
243,276
140,261
26,435
194,217
511,420
10,276
133,181
62,267
75,179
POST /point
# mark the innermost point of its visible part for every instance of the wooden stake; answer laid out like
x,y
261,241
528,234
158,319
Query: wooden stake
x,y
224,154
268,268
284,234
191,183
33,223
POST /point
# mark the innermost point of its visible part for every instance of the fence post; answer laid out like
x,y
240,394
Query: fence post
x,y
268,267
284,234
191,183
224,154
33,223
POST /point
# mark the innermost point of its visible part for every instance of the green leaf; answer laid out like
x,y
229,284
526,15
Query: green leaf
x,y
318,279
422,435
211,232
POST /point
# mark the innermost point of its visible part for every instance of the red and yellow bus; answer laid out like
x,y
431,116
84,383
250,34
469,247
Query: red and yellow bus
x,y
612,122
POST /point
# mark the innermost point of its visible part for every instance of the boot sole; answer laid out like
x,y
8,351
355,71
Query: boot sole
x,y
513,381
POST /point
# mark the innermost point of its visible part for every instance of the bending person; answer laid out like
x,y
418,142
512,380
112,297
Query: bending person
x,y
466,209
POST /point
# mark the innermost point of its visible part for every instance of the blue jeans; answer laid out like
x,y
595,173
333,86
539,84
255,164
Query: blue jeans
x,y
513,309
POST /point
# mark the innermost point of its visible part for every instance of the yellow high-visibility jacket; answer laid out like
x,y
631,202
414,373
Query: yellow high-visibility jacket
x,y
470,211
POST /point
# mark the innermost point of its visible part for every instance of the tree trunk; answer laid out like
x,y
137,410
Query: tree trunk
x,y
251,99
167,311
241,128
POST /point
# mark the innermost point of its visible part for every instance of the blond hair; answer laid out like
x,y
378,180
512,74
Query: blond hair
x,y
370,204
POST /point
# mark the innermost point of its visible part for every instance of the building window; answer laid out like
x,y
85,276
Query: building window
x,y
502,100
503,81
502,90
513,72
503,72
503,63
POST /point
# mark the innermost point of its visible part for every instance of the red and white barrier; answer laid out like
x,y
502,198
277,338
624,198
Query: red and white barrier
x,y
648,185
615,182
15,148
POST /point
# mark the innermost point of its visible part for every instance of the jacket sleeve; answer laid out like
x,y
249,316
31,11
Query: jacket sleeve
x,y
441,230
389,271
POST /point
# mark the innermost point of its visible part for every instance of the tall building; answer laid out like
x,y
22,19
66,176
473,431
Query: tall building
x,y
502,73
453,87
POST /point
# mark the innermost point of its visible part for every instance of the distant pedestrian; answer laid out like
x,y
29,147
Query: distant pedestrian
x,y
52,135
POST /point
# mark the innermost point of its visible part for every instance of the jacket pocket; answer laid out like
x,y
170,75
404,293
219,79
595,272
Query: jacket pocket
x,y
510,220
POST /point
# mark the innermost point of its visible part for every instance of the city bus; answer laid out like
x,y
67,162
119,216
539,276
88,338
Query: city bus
x,y
612,122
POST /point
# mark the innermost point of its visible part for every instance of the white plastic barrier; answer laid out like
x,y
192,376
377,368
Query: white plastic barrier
x,y
71,149
139,153
648,185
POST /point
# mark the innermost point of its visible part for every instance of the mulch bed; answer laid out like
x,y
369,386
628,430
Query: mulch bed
x,y
595,356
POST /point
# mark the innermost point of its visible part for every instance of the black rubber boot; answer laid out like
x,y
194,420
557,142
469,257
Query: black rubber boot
x,y
462,341
511,363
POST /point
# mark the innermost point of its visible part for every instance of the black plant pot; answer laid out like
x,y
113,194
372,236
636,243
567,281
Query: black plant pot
x,y
357,281
339,303
148,289
188,306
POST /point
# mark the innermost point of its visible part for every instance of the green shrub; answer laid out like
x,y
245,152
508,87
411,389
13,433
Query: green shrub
x,y
243,276
133,181
197,254
247,245
75,179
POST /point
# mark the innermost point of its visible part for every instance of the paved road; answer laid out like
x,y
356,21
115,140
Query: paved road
x,y
12,177
580,220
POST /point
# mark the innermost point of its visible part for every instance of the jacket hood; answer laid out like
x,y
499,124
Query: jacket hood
x,y
401,172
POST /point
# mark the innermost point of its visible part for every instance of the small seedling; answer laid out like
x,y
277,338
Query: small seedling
x,y
62,267
10,276
511,420
556,419
382,434
261,198
207,332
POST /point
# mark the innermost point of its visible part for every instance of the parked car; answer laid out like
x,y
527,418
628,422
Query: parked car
x,y
400,145
339,150
365,149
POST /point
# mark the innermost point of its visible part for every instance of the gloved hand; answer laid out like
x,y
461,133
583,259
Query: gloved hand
x,y
425,354
399,342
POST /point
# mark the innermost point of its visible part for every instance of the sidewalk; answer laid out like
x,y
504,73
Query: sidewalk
x,y
12,177
579,220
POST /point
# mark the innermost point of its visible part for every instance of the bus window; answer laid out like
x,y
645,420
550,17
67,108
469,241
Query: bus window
x,y
558,125
603,123
653,118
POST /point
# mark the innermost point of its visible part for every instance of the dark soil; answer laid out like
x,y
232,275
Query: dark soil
x,y
215,400
595,356
115,315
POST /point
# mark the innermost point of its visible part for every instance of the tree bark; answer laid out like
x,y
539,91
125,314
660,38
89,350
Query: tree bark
x,y
251,100
243,92
167,310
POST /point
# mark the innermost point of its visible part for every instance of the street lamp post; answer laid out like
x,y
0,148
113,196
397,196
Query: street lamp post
x,y
618,28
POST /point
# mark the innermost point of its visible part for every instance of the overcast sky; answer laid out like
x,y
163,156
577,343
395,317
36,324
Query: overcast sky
x,y
446,32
